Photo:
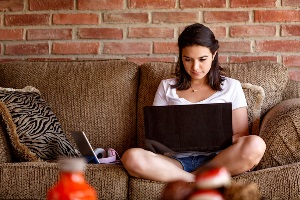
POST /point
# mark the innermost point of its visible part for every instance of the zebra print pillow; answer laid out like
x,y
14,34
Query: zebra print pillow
x,y
33,129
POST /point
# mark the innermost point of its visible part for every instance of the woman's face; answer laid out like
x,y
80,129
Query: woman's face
x,y
197,61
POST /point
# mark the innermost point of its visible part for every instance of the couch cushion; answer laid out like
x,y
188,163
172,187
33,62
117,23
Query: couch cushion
x,y
292,90
272,77
32,180
280,129
5,151
32,127
145,189
152,73
255,96
98,97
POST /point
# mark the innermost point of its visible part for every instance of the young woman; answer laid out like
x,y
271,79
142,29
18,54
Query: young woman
x,y
199,80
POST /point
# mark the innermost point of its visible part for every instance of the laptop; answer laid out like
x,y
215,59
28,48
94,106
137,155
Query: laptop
x,y
97,156
84,147
181,128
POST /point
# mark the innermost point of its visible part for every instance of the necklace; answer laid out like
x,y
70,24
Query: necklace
x,y
194,90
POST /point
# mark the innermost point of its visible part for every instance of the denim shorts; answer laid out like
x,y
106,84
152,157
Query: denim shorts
x,y
191,163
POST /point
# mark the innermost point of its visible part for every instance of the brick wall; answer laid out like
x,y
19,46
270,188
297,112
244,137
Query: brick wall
x,y
147,30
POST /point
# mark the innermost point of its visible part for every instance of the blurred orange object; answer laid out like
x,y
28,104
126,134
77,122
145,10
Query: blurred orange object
x,y
215,177
72,184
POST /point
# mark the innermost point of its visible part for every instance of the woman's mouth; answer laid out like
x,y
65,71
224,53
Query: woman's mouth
x,y
196,73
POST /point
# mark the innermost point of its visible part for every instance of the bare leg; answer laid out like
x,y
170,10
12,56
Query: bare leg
x,y
241,156
145,164
244,154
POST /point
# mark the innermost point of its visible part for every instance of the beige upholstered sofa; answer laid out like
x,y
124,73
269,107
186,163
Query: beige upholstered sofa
x,y
105,99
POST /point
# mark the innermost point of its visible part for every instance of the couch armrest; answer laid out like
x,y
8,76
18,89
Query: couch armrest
x,y
5,152
280,129
275,183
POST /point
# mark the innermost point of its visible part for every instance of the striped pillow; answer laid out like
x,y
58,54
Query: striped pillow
x,y
33,129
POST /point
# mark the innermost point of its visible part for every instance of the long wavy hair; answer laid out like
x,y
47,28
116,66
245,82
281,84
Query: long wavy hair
x,y
198,34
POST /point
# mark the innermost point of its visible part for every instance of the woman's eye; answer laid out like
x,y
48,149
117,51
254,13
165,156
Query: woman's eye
x,y
202,59
187,60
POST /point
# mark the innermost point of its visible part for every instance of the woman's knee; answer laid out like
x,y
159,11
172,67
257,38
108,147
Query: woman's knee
x,y
132,160
130,157
252,148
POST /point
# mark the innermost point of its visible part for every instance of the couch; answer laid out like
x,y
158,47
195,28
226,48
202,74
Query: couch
x,y
105,99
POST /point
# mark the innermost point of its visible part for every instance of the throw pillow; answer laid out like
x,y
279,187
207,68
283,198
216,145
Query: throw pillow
x,y
33,129
254,96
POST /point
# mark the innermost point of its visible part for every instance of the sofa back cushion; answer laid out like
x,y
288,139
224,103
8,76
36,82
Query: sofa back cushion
x,y
272,77
97,97
152,73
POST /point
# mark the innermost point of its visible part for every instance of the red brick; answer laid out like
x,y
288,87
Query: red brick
x,y
141,60
252,31
277,16
11,34
125,17
241,59
151,4
101,58
27,19
124,48
291,60
51,5
3,60
253,3
165,47
290,3
27,49
239,46
152,32
222,58
12,5
49,34
100,4
76,48
100,33
49,59
278,46
202,3
226,16
80,18
219,32
174,17
294,74
290,30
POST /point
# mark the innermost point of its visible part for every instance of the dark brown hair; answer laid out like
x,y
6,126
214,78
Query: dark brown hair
x,y
198,34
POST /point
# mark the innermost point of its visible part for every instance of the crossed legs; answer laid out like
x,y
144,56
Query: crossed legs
x,y
243,155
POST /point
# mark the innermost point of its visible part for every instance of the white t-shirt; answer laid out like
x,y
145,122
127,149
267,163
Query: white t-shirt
x,y
231,92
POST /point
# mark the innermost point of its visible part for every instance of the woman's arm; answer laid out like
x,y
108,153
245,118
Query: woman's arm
x,y
239,123
160,98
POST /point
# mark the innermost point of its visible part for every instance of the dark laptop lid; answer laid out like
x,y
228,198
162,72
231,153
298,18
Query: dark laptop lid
x,y
84,146
196,127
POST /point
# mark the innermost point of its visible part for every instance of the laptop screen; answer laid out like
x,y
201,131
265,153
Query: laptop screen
x,y
196,127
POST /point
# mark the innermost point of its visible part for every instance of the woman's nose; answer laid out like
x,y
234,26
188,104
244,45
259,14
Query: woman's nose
x,y
196,65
